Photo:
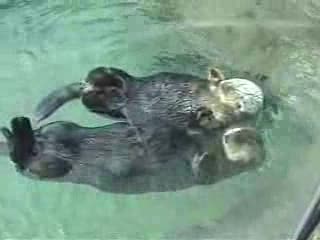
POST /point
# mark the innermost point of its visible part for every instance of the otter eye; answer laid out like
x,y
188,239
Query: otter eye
x,y
239,106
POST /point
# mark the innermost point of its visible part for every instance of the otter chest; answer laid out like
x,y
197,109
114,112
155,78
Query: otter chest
x,y
169,101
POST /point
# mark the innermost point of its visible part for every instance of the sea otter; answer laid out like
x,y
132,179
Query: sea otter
x,y
112,159
161,105
177,99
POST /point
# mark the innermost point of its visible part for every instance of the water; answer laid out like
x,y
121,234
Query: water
x,y
45,44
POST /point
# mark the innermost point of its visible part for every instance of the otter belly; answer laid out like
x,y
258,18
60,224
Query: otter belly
x,y
113,159
173,175
167,97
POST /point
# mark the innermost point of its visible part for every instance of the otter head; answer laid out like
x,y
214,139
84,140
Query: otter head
x,y
104,91
240,96
243,146
34,156
230,101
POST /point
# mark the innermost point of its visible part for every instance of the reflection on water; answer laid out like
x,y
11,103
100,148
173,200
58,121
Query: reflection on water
x,y
45,44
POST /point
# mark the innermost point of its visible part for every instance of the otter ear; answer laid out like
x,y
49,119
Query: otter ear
x,y
215,76
49,104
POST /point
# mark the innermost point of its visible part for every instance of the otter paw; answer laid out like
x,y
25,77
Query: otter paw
x,y
206,119
215,75
197,163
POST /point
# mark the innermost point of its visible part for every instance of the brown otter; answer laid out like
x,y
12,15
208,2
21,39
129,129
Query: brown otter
x,y
112,159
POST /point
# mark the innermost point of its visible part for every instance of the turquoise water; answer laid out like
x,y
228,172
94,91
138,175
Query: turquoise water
x,y
45,44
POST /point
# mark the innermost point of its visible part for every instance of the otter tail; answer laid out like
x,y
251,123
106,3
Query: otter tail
x,y
49,104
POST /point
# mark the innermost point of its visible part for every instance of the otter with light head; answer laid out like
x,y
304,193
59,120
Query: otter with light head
x,y
112,159
174,98
229,101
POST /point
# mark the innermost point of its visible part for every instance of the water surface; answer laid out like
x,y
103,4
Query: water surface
x,y
46,44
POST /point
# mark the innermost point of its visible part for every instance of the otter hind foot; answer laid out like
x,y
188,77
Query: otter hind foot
x,y
56,99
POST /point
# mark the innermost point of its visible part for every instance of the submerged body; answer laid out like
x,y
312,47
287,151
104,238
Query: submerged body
x,y
112,158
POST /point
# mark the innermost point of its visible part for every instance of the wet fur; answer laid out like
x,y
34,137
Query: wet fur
x,y
112,159
171,97
215,164
173,100
159,109
109,158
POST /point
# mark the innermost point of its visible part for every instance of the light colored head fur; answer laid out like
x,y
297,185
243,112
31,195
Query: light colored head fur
x,y
245,93
243,145
231,100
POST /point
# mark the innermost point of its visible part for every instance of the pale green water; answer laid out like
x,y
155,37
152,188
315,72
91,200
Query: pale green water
x,y
45,44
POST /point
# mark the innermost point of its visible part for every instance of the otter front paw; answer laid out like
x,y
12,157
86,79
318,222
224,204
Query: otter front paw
x,y
197,165
206,119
